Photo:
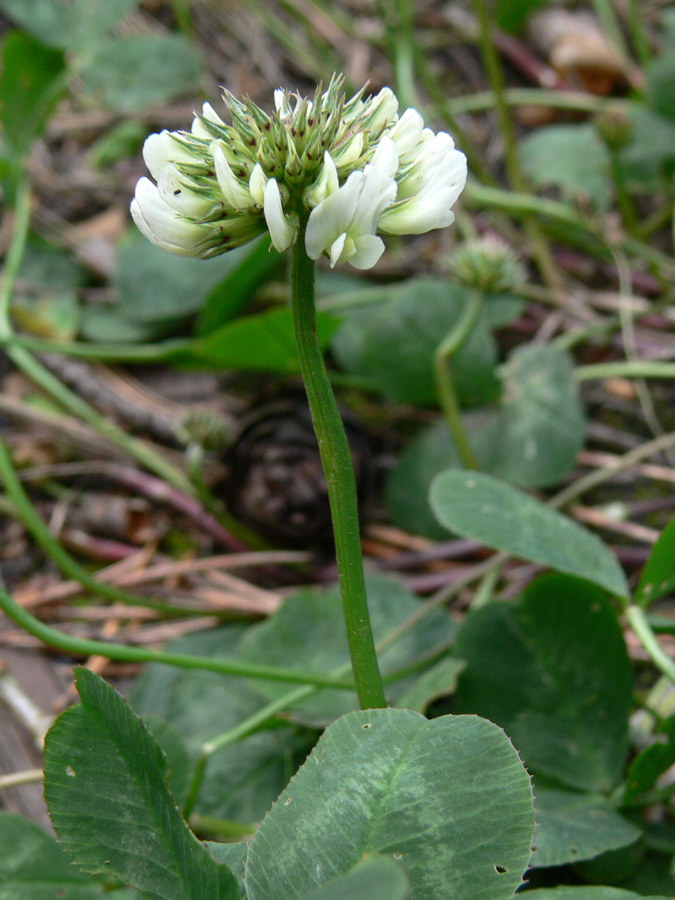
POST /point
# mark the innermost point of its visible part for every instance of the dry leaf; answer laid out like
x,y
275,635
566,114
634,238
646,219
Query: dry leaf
x,y
577,48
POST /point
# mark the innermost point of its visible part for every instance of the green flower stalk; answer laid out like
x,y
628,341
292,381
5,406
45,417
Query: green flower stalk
x,y
324,176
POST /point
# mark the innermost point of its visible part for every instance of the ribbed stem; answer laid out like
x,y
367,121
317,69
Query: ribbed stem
x,y
339,471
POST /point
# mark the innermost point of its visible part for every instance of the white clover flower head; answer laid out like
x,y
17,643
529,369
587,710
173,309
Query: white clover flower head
x,y
489,264
338,170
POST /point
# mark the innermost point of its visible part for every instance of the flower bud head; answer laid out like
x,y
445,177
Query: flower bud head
x,y
614,126
488,264
207,428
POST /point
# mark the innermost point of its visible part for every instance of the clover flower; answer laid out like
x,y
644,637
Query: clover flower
x,y
333,170
487,263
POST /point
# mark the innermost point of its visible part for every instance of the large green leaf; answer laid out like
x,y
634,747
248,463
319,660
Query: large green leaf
x,y
29,88
654,874
438,681
658,575
541,422
648,160
108,324
531,440
34,867
105,785
447,798
571,157
585,892
241,781
48,304
69,24
262,342
406,325
153,285
129,73
158,292
308,630
614,867
554,672
45,268
254,262
572,827
57,316
480,507
660,78
429,453
233,855
172,743
375,878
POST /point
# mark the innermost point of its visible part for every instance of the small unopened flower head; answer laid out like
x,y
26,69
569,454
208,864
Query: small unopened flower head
x,y
207,428
489,264
615,126
340,170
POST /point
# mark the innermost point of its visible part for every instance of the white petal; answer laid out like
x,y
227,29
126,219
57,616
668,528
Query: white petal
x,y
420,148
351,151
336,249
441,143
447,173
333,216
434,152
236,194
427,136
369,248
208,113
377,193
173,192
354,209
433,171
407,132
144,228
454,178
163,225
257,184
163,148
330,174
198,130
385,157
155,153
419,214
382,109
299,102
282,102
326,184
147,195
281,231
